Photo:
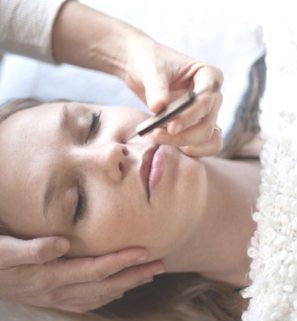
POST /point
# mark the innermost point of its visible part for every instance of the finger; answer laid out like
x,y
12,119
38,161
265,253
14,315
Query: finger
x,y
82,308
204,104
207,77
211,148
54,299
15,252
199,133
94,269
156,91
87,300
62,272
133,277
112,286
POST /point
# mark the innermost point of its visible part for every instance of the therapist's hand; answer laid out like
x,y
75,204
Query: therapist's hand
x,y
31,273
159,75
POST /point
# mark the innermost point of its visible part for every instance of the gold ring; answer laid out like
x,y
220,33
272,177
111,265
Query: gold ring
x,y
218,128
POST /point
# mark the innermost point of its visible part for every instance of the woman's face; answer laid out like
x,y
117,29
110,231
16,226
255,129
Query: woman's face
x,y
66,171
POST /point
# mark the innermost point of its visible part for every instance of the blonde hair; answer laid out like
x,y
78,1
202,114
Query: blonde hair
x,y
180,297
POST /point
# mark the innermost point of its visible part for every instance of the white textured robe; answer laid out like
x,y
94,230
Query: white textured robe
x,y
273,248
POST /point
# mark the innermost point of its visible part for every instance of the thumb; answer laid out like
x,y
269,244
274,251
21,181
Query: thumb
x,y
14,252
156,92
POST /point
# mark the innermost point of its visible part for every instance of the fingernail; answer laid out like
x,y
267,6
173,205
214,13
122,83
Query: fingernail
x,y
178,129
62,246
159,272
141,259
147,281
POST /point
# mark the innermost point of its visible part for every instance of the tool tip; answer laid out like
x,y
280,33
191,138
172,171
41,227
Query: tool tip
x,y
126,140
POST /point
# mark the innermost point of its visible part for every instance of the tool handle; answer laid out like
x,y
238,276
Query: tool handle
x,y
168,113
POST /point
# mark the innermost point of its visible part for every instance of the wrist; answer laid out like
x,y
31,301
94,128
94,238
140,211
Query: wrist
x,y
90,39
136,45
113,53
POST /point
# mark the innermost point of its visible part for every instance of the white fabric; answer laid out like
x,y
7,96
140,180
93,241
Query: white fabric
x,y
273,248
205,30
26,27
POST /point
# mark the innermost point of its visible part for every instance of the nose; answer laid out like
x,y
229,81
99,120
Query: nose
x,y
114,160
110,158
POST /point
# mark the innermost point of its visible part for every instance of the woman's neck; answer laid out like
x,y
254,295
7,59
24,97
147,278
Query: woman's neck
x,y
217,248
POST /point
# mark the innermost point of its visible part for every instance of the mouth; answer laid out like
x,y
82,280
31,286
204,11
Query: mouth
x,y
151,169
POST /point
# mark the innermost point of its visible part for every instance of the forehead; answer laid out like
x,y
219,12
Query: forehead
x,y
23,135
22,162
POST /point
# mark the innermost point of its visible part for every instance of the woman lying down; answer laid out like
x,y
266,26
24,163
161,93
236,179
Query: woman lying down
x,y
66,170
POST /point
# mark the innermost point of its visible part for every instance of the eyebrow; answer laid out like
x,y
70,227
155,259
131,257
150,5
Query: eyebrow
x,y
48,196
50,188
64,118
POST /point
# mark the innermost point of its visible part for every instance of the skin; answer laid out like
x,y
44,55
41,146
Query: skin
x,y
196,219
73,158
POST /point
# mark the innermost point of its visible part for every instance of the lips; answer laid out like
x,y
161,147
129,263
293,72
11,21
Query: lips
x,y
151,169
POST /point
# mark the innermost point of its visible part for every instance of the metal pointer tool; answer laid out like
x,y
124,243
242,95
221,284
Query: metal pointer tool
x,y
170,111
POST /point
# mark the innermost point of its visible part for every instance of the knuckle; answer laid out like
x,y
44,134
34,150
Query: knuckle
x,y
123,261
109,291
206,102
97,275
36,252
52,298
40,285
218,73
208,133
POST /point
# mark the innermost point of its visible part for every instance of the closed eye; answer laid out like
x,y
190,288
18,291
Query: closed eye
x,y
80,206
94,125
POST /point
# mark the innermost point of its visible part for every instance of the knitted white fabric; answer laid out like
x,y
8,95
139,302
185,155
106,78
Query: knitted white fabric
x,y
273,248
273,293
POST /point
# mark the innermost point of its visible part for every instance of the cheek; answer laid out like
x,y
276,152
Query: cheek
x,y
119,123
180,204
113,223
